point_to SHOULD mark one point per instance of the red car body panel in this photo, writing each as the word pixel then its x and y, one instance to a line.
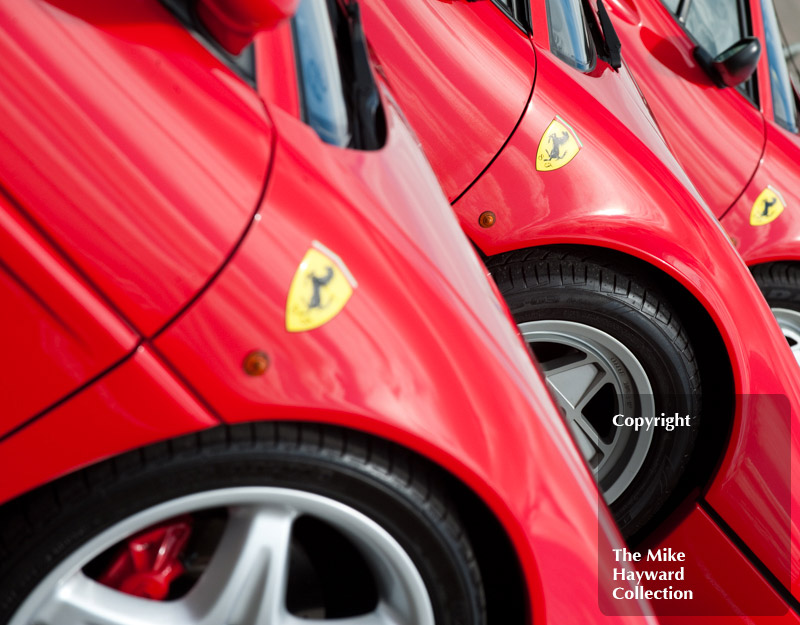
pixel 685 244
pixel 437 49
pixel 707 126
pixel 722 580
pixel 625 191
pixel 753 491
pixel 63 333
pixel 61 139
pixel 752 484
pixel 716 126
pixel 235 316
pixel 623 208
pixel 313 378
pixel 277 81
pixel 136 404
pixel 780 168
pixel 424 354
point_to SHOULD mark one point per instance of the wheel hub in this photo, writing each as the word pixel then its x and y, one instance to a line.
pixel 150 561
pixel 593 377
pixel 246 578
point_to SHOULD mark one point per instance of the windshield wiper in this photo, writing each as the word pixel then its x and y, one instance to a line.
pixel 613 51
pixel 366 99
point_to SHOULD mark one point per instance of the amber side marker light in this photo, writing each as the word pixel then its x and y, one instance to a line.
pixel 256 363
pixel 487 219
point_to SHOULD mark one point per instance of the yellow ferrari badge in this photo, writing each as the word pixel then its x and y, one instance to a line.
pixel 767 207
pixel 319 291
pixel 558 146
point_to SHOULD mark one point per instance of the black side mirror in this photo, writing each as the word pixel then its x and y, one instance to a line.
pixel 733 66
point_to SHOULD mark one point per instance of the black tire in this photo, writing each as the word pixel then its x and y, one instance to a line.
pixel 780 285
pixel 379 480
pixel 561 285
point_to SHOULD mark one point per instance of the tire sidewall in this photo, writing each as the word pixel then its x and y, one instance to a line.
pixel 380 496
pixel 669 452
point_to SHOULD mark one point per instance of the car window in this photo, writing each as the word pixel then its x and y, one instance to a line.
pixel 324 106
pixel 783 102
pixel 792 53
pixel 715 24
pixel 339 96
pixel 788 12
pixel 569 36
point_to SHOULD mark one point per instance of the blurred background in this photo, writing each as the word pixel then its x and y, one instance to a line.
pixel 789 17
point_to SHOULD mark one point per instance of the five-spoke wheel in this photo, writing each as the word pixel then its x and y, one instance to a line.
pixel 290 525
pixel 609 344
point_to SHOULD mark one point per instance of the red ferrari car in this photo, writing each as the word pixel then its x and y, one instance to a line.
pixel 252 371
pixel 716 77
pixel 619 277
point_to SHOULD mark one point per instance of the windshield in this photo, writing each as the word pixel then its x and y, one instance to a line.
pixel 338 93
pixel 321 83
pixel 569 37
pixel 715 24
pixel 783 101
pixel 789 23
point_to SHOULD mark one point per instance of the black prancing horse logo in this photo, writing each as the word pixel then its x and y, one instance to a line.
pixel 317 284
pixel 767 205
pixel 555 151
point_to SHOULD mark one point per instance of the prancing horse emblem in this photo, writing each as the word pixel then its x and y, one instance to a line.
pixel 767 207
pixel 557 147
pixel 320 288
pixel 557 143
pixel 317 284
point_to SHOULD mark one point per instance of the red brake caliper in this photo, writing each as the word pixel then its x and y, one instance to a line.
pixel 149 562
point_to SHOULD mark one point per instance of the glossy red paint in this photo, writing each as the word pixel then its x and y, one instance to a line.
pixel 63 333
pixel 277 80
pixel 137 403
pixel 780 239
pixel 703 125
pixel 631 209
pixel 722 580
pixel 424 354
pixel 625 191
pixel 394 317
pixel 234 23
pixel 642 204
pixel 270 256
pixel 707 125
pixel 149 232
pixel 753 491
pixel 462 75
pixel 729 131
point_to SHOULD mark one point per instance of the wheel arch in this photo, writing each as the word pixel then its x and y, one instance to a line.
pixel 507 596
pixel 779 256
pixel 710 350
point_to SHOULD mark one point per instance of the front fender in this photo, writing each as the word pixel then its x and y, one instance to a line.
pixel 423 354
pixel 778 239
pixel 624 192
